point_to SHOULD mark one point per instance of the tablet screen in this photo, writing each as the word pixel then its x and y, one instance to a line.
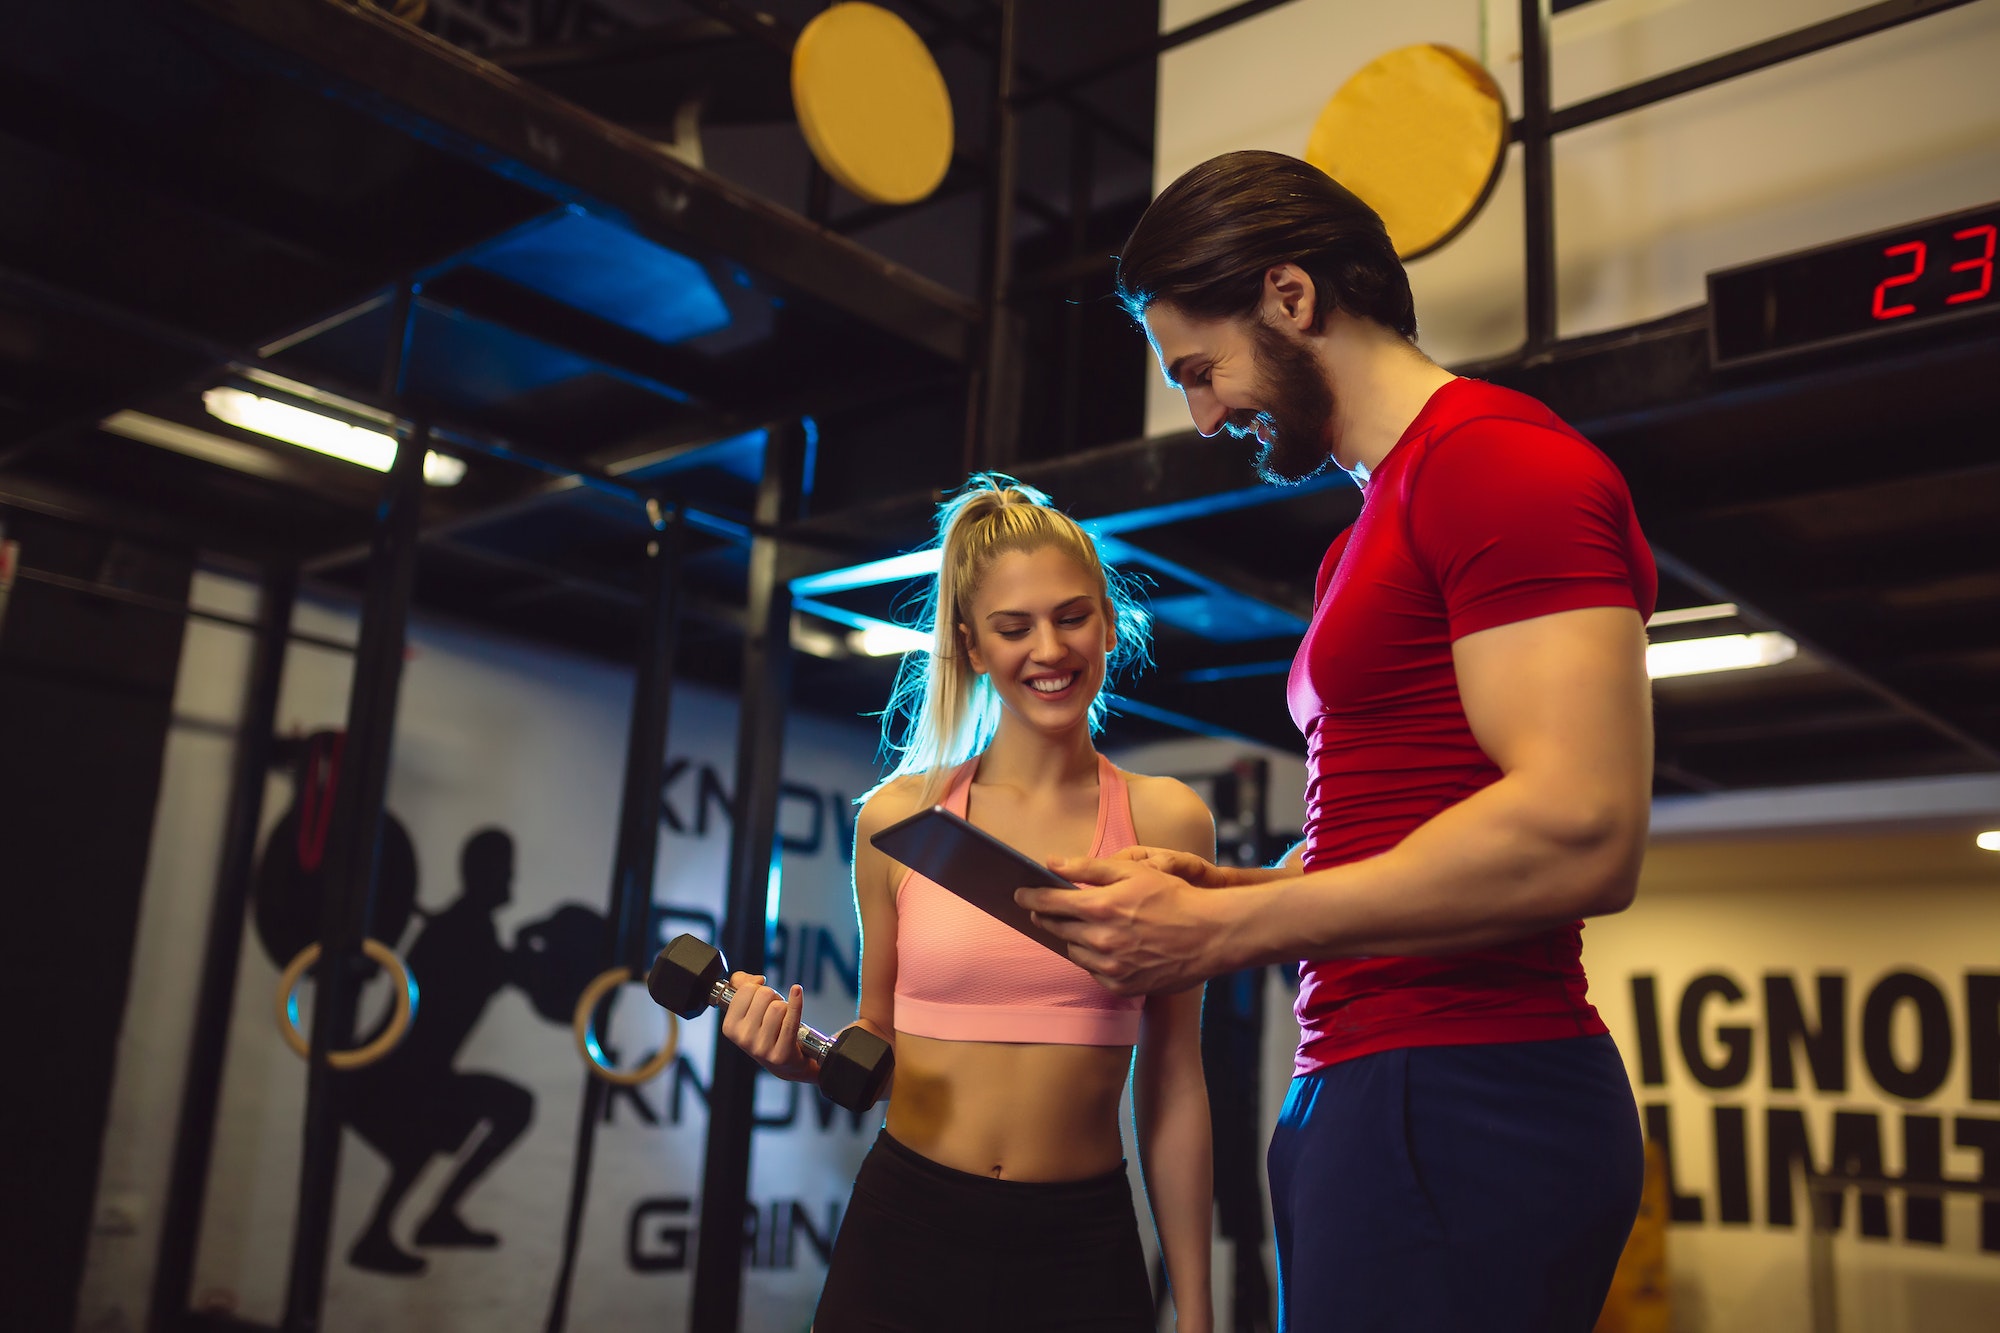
pixel 976 866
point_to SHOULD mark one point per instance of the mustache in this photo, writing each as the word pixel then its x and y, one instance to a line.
pixel 1242 423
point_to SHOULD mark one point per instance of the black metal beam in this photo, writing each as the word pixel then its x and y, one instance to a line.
pixel 1538 162
pixel 1152 50
pixel 40 496
pixel 998 414
pixel 221 358
pixel 208 356
pixel 672 371
pixel 773 31
pixel 1977 748
pixel 1037 82
pixel 760 739
pixel 1790 46
pixel 1082 179
pixel 354 843
pixel 1112 479
pixel 194 1136
pixel 168 606
pixel 1830 721
pixel 475 111
pixel 966 174
pixel 629 914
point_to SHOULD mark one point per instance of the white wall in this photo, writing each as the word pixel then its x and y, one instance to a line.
pixel 1894 128
pixel 490 731
pixel 1862 906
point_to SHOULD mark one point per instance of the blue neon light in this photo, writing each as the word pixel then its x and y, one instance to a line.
pixel 1226 617
pixel 1254 619
pixel 1242 671
pixel 1132 520
pixel 469 362
pixel 741 456
pixel 612 273
pixel 1168 717
pixel 840 615
pixel 894 569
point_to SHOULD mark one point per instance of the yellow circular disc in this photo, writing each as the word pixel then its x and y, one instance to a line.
pixel 1419 134
pixel 872 103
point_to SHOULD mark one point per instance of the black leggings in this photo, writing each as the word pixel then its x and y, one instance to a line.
pixel 925 1248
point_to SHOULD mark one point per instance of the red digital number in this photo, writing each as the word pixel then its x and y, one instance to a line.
pixel 1984 264
pixel 1882 288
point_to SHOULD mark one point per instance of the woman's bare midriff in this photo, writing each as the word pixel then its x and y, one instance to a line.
pixel 1010 1111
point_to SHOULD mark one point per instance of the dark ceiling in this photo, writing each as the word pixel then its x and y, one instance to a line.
pixel 228 193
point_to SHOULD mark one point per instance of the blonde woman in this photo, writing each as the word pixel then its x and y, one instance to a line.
pixel 996 1196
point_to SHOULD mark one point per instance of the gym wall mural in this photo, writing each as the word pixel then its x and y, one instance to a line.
pixel 1828 1003
pixel 455 1169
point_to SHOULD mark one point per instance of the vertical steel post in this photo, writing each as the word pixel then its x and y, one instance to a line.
pixel 354 840
pixel 630 942
pixel 999 409
pixel 760 742
pixel 194 1140
pixel 1082 176
pixel 1537 158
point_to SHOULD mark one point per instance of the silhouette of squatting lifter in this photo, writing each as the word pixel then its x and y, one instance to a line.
pixel 413 1104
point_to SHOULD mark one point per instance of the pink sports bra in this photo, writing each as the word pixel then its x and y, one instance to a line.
pixel 963 976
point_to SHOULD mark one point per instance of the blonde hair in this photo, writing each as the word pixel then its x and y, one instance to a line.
pixel 941 713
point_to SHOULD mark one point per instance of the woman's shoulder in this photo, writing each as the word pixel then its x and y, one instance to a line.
pixel 894 800
pixel 1166 812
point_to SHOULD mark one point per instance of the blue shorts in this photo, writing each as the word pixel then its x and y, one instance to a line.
pixel 1455 1187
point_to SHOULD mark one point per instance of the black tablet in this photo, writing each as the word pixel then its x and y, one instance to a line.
pixel 976 866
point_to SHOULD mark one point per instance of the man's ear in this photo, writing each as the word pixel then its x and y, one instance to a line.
pixel 1290 298
pixel 972 654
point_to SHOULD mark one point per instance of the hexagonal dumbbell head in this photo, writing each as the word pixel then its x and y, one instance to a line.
pixel 684 976
pixel 853 1073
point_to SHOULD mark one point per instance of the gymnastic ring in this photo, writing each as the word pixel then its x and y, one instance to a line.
pixel 585 1027
pixel 386 1041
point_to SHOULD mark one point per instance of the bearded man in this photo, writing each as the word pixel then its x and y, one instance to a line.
pixel 1459 1148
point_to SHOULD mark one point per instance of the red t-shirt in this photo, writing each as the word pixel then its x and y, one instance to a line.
pixel 1487 511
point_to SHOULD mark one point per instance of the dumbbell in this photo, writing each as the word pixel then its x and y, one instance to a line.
pixel 690 976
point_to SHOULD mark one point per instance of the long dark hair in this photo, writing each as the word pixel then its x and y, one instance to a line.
pixel 1205 244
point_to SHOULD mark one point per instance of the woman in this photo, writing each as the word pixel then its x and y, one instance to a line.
pixel 996 1196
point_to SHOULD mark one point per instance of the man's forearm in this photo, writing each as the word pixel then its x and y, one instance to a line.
pixel 1244 877
pixel 1495 867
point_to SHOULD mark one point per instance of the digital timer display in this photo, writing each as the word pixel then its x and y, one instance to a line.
pixel 1916 275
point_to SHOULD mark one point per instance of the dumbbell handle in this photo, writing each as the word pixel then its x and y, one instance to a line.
pixel 817 1044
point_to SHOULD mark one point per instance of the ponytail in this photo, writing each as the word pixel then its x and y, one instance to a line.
pixel 941 712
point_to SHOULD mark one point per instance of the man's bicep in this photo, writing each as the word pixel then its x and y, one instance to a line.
pixel 1564 696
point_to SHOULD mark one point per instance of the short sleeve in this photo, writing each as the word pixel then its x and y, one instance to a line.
pixel 1516 520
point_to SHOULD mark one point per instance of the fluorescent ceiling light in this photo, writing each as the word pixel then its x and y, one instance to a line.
pixel 443 469
pixel 1686 615
pixel 295 425
pixel 321 433
pixel 884 640
pixel 818 642
pixel 1989 841
pixel 1728 652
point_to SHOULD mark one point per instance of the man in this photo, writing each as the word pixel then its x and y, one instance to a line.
pixel 1459 1148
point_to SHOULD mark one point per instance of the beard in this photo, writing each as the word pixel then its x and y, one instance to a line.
pixel 1298 407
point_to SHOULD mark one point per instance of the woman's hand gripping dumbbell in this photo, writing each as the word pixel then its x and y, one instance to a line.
pixel 854 1065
